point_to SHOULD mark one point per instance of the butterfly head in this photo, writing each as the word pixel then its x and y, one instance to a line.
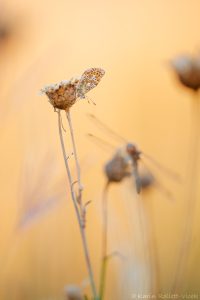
pixel 133 151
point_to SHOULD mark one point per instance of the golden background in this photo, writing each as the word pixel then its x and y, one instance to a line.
pixel 139 97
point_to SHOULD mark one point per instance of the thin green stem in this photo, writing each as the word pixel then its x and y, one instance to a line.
pixel 80 221
pixel 104 254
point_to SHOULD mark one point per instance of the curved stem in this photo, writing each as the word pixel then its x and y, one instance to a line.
pixel 191 196
pixel 78 169
pixel 104 241
pixel 80 222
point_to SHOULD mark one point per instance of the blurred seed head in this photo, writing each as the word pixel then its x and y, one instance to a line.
pixel 187 69
pixel 73 292
pixel 11 28
pixel 119 167
pixel 61 95
pixel 6 27
pixel 146 180
pixel 4 32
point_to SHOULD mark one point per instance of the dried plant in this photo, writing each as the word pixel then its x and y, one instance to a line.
pixel 120 166
pixel 124 163
pixel 187 69
pixel 73 292
pixel 147 180
pixel 62 96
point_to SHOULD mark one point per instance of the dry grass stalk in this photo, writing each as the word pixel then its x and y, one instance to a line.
pixel 116 169
pixel 78 214
pixel 124 163
pixel 120 166
pixel 62 96
pixel 187 69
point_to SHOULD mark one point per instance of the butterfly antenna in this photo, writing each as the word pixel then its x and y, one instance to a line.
pixel 103 126
pixel 163 169
pixel 90 100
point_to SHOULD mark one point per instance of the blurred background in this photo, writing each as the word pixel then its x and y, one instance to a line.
pixel 43 42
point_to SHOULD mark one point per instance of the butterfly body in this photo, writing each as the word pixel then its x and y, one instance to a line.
pixel 64 94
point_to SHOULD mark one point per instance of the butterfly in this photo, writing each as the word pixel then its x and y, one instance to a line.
pixel 64 94
pixel 89 80
pixel 131 153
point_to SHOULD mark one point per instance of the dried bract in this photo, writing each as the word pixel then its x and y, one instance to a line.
pixel 73 292
pixel 188 71
pixel 119 167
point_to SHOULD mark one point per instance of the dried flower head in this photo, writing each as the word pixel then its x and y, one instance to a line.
pixel 146 180
pixel 65 93
pixel 187 69
pixel 119 167
pixel 73 292
pixel 61 95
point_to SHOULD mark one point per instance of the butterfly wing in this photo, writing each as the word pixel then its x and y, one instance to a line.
pixel 89 80
pixel 171 174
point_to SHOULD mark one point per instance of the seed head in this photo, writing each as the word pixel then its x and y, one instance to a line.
pixel 64 94
pixel 146 180
pixel 187 69
pixel 73 292
pixel 118 167
pixel 61 95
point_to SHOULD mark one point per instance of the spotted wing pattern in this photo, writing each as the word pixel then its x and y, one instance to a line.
pixel 88 81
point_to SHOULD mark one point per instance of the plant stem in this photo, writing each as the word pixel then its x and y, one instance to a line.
pixel 191 196
pixel 154 251
pixel 81 225
pixel 144 234
pixel 78 169
pixel 104 241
